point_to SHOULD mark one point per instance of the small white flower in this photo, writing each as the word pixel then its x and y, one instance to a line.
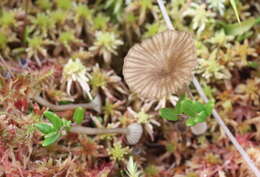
pixel 74 70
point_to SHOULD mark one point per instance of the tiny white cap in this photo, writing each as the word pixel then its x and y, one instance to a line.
pixel 134 134
pixel 199 128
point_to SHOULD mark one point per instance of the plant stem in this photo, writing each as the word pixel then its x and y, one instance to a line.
pixel 214 112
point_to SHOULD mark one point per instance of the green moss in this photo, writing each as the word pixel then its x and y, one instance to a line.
pixel 44 4
pixel 35 42
pixel 151 171
pixel 98 79
pixel 7 19
pixel 3 40
pixel 67 37
pixel 64 4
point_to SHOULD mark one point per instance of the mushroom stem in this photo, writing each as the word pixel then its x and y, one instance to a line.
pixel 98 131
pixel 133 132
pixel 95 104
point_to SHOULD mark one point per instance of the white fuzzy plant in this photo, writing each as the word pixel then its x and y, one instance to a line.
pixel 198 87
pixel 132 170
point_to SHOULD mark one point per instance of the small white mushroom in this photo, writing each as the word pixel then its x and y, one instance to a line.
pixel 199 128
pixel 133 132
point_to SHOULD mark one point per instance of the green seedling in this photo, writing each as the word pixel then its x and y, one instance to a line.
pixel 53 131
pixel 193 111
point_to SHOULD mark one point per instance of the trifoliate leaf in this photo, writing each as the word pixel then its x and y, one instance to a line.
pixel 168 114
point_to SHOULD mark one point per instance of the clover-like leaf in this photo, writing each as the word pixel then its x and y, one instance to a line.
pixel 78 115
pixel 51 138
pixel 168 114
pixel 44 128
pixel 54 119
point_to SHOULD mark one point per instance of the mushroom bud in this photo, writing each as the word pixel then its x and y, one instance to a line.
pixel 133 132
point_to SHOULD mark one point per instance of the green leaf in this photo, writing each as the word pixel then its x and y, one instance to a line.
pixel 209 107
pixel 240 28
pixel 117 6
pixel 66 124
pixel 78 115
pixel 200 117
pixel 197 107
pixel 190 122
pixel 178 105
pixel 54 119
pixel 51 138
pixel 168 114
pixel 233 4
pixel 253 64
pixel 44 128
pixel 187 108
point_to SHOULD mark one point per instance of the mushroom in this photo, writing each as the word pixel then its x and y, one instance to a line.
pixel 161 65
pixel 94 104
pixel 199 128
pixel 133 132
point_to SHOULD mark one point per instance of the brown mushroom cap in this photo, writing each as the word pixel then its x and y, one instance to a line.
pixel 161 65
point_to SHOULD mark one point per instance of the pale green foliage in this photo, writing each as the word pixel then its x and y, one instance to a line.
pixel 117 152
pixel 35 42
pixel 64 4
pixel 106 43
pixel 154 28
pixel 132 170
pixel 201 17
pixel 218 5
pixel 82 11
pixel 3 40
pixel 7 19
pixel 143 117
pixel 211 68
pixel 44 4
pixel 58 16
pixel 67 37
pixel 220 38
